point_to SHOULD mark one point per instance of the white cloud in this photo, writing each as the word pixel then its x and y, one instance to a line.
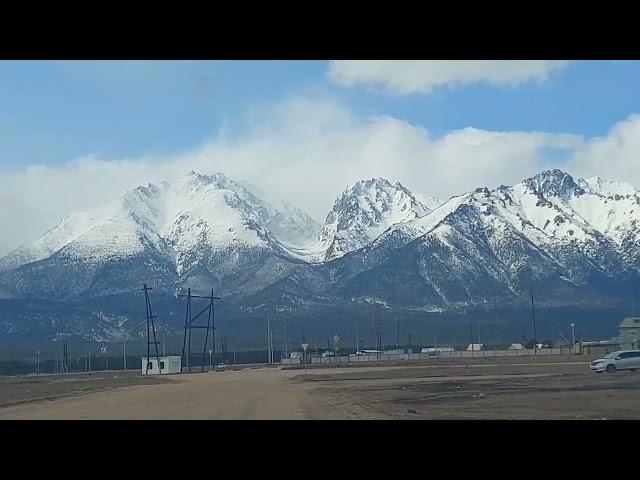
pixel 616 156
pixel 306 150
pixel 404 77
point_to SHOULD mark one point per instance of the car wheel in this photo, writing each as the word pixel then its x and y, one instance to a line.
pixel 611 368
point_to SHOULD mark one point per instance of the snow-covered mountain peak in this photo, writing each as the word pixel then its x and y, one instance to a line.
pixel 362 213
pixel 195 180
pixel 374 198
pixel 364 184
pixel 555 183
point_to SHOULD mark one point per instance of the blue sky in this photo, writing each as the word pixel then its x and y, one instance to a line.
pixel 74 135
pixel 54 112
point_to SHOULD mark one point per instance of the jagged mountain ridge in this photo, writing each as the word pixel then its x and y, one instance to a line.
pixel 362 213
pixel 546 231
pixel 573 240
pixel 549 220
pixel 200 230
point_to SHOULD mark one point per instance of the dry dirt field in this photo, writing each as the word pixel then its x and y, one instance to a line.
pixel 513 388
pixel 31 388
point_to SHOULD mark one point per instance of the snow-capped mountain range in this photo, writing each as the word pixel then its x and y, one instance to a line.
pixel 575 240
pixel 216 224
pixel 572 240
pixel 361 214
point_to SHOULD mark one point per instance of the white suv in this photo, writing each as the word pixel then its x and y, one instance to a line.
pixel 622 360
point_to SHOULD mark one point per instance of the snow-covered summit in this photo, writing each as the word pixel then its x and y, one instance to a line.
pixel 362 213
pixel 553 182
pixel 196 210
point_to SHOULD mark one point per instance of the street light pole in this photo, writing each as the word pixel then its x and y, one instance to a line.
pixel 535 335
pixel 269 338
pixel 164 339
pixel 124 352
pixel 304 346
pixel 573 337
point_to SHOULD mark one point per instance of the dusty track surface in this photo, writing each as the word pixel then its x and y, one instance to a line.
pixel 543 388
pixel 245 394
pixel 32 388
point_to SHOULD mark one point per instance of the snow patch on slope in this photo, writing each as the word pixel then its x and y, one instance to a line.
pixel 68 229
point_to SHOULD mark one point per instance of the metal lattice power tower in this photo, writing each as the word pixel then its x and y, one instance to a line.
pixel 189 325
pixel 151 327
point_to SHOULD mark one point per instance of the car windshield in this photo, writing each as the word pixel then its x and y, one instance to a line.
pixel 611 355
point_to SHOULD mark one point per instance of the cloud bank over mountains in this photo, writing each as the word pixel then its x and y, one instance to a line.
pixel 307 150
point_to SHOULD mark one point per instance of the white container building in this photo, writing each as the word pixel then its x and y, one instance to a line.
pixel 168 365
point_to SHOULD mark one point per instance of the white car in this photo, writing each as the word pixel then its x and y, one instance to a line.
pixel 621 360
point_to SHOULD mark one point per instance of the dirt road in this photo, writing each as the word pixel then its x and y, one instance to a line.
pixel 534 389
pixel 246 394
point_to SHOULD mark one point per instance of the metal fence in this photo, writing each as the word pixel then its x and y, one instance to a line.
pixel 425 356
pixel 600 349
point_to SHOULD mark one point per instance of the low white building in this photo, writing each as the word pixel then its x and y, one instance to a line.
pixel 297 355
pixel 515 346
pixel 167 366
pixel 474 347
pixel 434 350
